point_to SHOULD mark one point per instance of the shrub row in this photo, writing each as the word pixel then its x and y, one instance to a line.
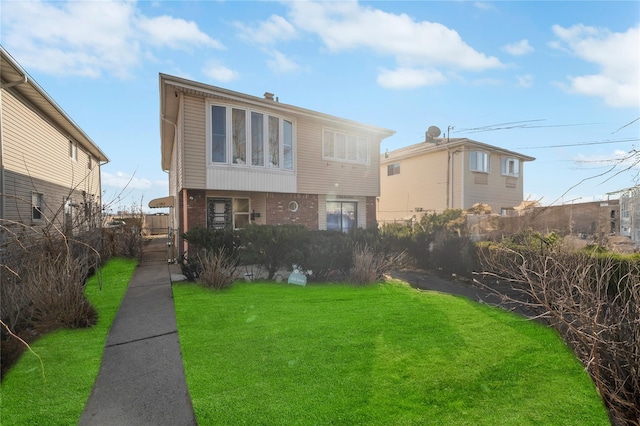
pixel 329 254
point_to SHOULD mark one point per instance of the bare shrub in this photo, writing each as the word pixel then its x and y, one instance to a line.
pixel 218 270
pixel 54 285
pixel 594 303
pixel 370 266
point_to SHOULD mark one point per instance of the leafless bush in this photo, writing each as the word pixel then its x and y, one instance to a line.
pixel 57 300
pixel 218 269
pixel 594 303
pixel 370 266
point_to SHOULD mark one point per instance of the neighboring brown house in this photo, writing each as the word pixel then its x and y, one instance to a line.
pixel 235 159
pixel 443 173
pixel 49 168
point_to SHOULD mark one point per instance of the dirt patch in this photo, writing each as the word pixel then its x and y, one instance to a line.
pixel 490 292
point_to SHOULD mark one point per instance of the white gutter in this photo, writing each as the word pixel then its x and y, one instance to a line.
pixel 15 83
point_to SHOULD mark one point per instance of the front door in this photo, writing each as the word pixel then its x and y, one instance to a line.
pixel 219 213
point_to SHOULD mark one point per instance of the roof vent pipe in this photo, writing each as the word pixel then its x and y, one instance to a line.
pixel 268 96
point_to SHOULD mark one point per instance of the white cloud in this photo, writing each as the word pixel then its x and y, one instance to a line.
pixel 519 48
pixel 346 26
pixel 483 5
pixel 275 29
pixel 525 81
pixel 616 54
pixel 219 72
pixel 409 78
pixel 280 64
pixel 165 31
pixel 122 180
pixel 86 38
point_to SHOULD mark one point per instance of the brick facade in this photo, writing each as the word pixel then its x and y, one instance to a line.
pixel 196 208
pixel 279 213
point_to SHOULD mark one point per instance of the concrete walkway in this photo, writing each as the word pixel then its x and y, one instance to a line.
pixel 141 379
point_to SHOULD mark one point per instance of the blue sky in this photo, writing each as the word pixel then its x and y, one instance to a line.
pixel 559 81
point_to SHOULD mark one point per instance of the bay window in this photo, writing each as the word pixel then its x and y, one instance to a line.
pixel 255 139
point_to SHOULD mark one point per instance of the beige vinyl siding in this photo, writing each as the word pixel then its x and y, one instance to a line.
pixel 194 146
pixel 422 182
pixel 229 177
pixel 495 192
pixel 320 176
pixel 36 159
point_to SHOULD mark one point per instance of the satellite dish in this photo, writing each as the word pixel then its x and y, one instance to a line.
pixel 433 132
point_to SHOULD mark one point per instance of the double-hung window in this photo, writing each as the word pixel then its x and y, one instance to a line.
pixel 251 138
pixel 344 147
pixel 37 206
pixel 73 150
pixel 510 166
pixel 479 161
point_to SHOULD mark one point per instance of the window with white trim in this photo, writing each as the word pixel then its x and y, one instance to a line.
pixel 479 161
pixel 393 169
pixel 249 138
pixel 73 150
pixel 510 166
pixel 37 206
pixel 342 215
pixel 344 147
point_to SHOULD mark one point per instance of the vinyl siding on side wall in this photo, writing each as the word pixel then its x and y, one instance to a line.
pixel 495 192
pixel 194 146
pixel 36 159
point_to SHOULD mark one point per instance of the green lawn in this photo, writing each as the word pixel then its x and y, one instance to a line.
pixel 277 354
pixel 56 391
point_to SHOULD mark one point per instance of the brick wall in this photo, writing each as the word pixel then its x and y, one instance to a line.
pixel 196 208
pixel 278 212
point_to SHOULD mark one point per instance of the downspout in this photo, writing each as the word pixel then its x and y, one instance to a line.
pixel 448 174
pixel 173 213
pixel 2 178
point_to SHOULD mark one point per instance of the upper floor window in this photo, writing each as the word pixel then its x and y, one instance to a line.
pixel 73 150
pixel 345 147
pixel 479 161
pixel 245 137
pixel 510 166
pixel 393 169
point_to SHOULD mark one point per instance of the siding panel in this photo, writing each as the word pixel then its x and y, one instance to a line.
pixel 194 147
pixel 36 159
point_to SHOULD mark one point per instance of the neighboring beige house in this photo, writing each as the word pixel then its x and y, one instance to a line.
pixel 49 168
pixel 235 159
pixel 442 173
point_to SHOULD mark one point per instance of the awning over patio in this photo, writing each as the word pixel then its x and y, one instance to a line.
pixel 161 202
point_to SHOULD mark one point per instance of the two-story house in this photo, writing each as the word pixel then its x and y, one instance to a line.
pixel 443 173
pixel 235 159
pixel 49 167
